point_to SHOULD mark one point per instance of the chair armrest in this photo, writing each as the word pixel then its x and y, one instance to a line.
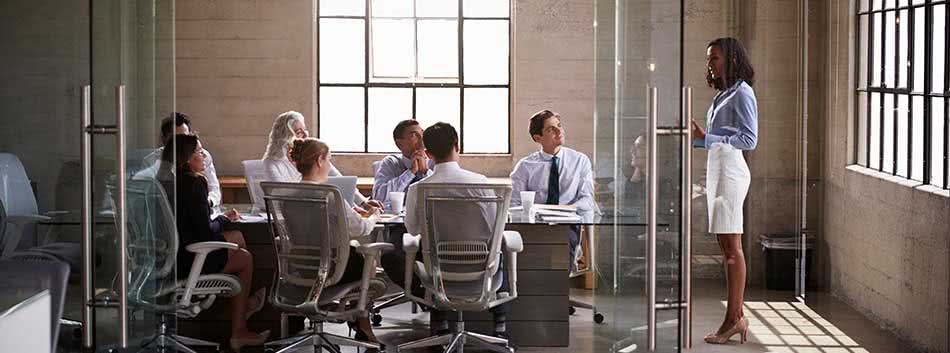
pixel 374 248
pixel 209 246
pixel 410 243
pixel 20 220
pixel 513 242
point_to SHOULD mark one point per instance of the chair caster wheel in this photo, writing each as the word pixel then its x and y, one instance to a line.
pixel 571 310
pixel 377 320
pixel 599 318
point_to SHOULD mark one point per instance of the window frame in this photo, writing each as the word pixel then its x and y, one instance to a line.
pixel 864 46
pixel 461 85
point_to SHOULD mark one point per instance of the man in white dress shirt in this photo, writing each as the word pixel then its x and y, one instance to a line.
pixel 442 145
pixel 557 174
pixel 180 124
pixel 397 172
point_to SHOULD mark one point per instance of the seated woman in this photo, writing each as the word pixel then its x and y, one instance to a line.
pixel 312 159
pixel 195 225
pixel 277 167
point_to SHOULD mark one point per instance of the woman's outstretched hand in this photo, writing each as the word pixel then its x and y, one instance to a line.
pixel 698 132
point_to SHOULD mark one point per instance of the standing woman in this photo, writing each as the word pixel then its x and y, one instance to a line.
pixel 732 127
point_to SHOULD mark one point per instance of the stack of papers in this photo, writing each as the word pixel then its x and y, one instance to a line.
pixel 557 213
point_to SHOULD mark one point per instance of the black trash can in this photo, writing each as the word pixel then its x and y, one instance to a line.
pixel 781 252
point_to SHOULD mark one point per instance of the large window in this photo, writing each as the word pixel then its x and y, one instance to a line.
pixel 382 61
pixel 902 95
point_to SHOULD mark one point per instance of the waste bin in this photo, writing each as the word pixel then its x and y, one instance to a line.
pixel 781 252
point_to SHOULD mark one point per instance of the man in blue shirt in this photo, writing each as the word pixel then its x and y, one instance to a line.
pixel 557 174
pixel 397 172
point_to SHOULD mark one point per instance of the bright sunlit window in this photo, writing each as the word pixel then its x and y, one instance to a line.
pixel 902 120
pixel 382 61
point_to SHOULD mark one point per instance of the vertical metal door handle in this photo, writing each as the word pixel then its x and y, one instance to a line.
pixel 651 222
pixel 686 294
pixel 85 157
pixel 122 218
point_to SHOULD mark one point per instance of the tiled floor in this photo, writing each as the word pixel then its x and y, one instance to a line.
pixel 780 324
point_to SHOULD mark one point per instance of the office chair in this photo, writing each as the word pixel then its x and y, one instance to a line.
pixel 17 196
pixel 152 255
pixel 577 272
pixel 34 276
pixel 253 176
pixel 308 222
pixel 462 238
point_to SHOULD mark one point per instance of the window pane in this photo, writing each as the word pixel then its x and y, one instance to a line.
pixel 438 48
pixel 917 139
pixel 863 129
pixel 437 104
pixel 341 51
pixel 890 3
pixel 392 8
pixel 342 8
pixel 387 106
pixel 864 5
pixel 890 44
pixel 863 53
pixel 936 142
pixel 486 120
pixel 919 1
pixel 875 137
pixel 486 8
pixel 902 125
pixel 485 51
pixel 888 132
pixel 341 118
pixel 902 63
pixel 437 8
pixel 919 46
pixel 876 57
pixel 938 53
pixel 392 53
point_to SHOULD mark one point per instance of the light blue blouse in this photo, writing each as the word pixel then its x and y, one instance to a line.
pixel 732 119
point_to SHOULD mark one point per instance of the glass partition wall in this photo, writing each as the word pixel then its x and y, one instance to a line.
pixel 650 65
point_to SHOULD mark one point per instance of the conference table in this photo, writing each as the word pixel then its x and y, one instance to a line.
pixel 543 278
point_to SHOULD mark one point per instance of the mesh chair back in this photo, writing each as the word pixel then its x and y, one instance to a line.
pixel 15 190
pixel 20 279
pixel 311 240
pixel 152 239
pixel 462 237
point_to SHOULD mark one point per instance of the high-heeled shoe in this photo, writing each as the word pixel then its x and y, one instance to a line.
pixel 741 327
pixel 359 335
pixel 239 342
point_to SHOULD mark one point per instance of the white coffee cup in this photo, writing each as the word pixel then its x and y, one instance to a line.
pixel 396 200
pixel 527 201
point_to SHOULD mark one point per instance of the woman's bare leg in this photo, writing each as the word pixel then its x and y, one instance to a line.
pixel 734 261
pixel 241 263
pixel 235 236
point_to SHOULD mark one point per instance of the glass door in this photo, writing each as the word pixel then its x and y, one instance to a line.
pixel 130 92
pixel 641 128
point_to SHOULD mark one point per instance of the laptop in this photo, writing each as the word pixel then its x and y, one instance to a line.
pixel 347 186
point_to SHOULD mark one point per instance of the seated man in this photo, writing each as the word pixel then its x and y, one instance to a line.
pixel 180 124
pixel 397 172
pixel 557 174
pixel 442 145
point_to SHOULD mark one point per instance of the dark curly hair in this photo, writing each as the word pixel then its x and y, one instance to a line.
pixel 735 61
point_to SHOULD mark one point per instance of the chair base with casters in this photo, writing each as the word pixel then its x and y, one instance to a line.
pixel 316 338
pixel 163 341
pixel 456 340
pixel 598 317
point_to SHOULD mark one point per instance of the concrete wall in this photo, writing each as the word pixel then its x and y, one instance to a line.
pixel 886 241
pixel 242 62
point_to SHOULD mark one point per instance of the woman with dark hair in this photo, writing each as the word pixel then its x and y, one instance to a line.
pixel 732 127
pixel 194 223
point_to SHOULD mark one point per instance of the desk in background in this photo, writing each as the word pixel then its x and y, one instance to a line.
pixel 234 187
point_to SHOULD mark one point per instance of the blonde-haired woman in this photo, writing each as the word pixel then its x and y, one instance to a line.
pixel 277 166
pixel 311 158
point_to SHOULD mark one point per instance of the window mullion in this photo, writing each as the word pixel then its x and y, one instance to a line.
pixel 461 75
pixel 928 81
pixel 367 62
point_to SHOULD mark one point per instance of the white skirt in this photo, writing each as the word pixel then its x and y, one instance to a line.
pixel 727 183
